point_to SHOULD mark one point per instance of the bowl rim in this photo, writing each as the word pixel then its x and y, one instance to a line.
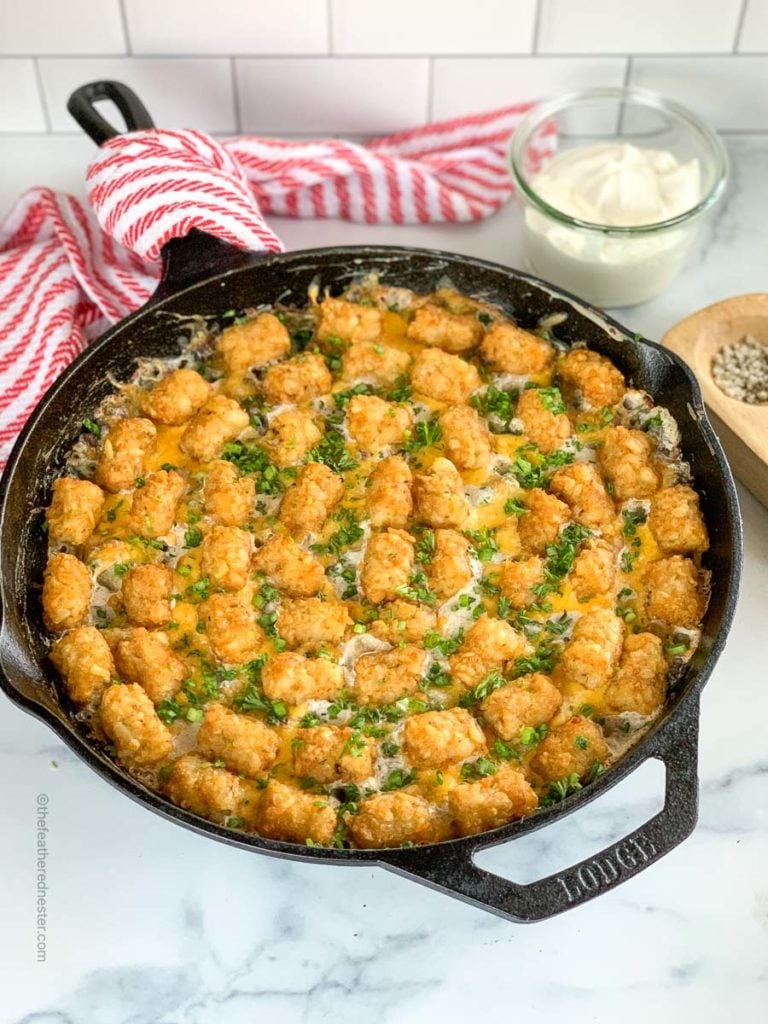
pixel 625 95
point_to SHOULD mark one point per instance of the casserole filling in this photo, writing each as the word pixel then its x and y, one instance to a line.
pixel 382 571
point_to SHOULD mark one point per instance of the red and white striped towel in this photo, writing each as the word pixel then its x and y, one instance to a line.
pixel 67 272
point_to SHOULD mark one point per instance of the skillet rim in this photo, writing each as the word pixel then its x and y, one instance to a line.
pixel 649 745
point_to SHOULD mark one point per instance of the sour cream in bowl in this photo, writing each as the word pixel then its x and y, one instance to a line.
pixel 613 215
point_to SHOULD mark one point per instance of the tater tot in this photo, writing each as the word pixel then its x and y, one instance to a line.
pixel 297 380
pixel 147 659
pixel 452 332
pixel 542 522
pixel 626 458
pixel 67 590
pixel 374 424
pixel 312 622
pixel 129 719
pixel 295 679
pixel 466 440
pixel 390 819
pixel 229 497
pixel 388 496
pixel 83 659
pixel 439 495
pixel 291 436
pixel 594 569
pixel 126 446
pixel 591 377
pixel 310 500
pixel 376 364
pixel 332 753
pixel 672 593
pixel 573 748
pixel 245 744
pixel 74 510
pixel 348 321
pixel 153 506
pixel 218 423
pixel 436 739
pixel 582 488
pixel 231 627
pixel 507 348
pixel 531 700
pixel 488 645
pixel 402 622
pixel 387 565
pixel 547 427
pixel 443 377
pixel 451 567
pixel 288 813
pixel 226 557
pixel 492 802
pixel 212 792
pixel 146 595
pixel 517 580
pixel 176 398
pixel 293 570
pixel 640 683
pixel 255 343
pixel 590 657
pixel 676 521
pixel 387 676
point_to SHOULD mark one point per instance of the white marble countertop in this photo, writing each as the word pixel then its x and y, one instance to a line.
pixel 150 924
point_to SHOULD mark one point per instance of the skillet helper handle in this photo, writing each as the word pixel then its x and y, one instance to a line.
pixel 188 260
pixel 95 125
pixel 454 871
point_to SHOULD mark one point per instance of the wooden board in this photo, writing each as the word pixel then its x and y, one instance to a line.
pixel 742 428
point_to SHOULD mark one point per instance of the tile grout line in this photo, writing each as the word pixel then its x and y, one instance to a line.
pixel 655 55
pixel 329 24
pixel 43 98
pixel 235 94
pixel 126 33
pixel 739 26
pixel 536 28
pixel 431 90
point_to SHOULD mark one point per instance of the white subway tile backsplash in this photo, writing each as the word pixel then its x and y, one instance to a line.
pixel 331 95
pixel 22 108
pixel 754 31
pixel 37 27
pixel 728 92
pixel 179 93
pixel 55 161
pixel 467 86
pixel 434 27
pixel 629 26
pixel 229 26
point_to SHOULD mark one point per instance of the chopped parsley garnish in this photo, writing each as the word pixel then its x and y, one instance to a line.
pixel 92 427
pixel 252 460
pixel 425 547
pixel 532 474
pixel 447 645
pixel 397 779
pixel 349 533
pixel 401 390
pixel 561 554
pixel 633 517
pixel 484 688
pixel 252 698
pixel 559 790
pixel 437 676
pixel 497 406
pixel 484 545
pixel 514 507
pixel 478 769
pixel 193 537
pixel 200 590
pixel 417 589
pixel 552 400
pixel 542 660
pixel 341 399
pixel 332 451
pixel 348 574
pixel 425 434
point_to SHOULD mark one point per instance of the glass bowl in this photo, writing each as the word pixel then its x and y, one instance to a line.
pixel 608 265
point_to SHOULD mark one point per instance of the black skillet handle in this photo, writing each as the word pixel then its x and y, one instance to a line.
pixel 451 867
pixel 188 260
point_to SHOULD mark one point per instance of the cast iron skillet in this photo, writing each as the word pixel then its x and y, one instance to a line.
pixel 202 275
